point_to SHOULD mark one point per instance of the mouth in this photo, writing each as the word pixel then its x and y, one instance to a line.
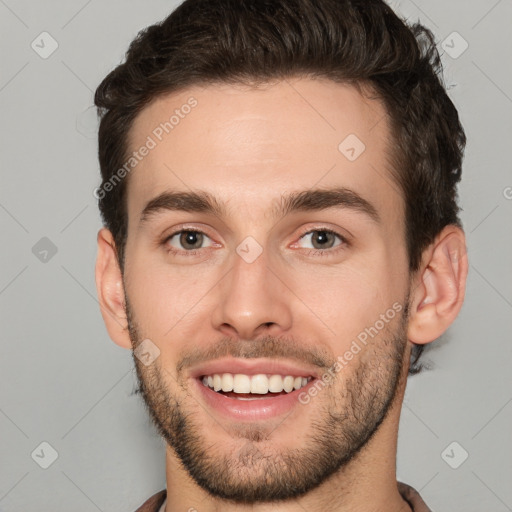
pixel 251 390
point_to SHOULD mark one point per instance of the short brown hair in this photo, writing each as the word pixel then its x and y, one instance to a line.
pixel 359 42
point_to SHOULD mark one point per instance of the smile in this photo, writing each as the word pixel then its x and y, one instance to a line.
pixel 248 390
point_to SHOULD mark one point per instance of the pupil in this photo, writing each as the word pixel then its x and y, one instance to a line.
pixel 322 238
pixel 191 238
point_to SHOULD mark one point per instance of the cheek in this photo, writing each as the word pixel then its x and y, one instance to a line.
pixel 166 300
pixel 352 297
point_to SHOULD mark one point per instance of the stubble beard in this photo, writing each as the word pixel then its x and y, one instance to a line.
pixel 350 412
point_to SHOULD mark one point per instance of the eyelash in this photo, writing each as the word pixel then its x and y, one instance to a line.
pixel 317 252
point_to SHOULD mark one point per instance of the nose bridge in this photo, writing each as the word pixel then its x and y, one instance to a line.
pixel 252 296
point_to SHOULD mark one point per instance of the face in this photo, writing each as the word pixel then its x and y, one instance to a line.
pixel 266 262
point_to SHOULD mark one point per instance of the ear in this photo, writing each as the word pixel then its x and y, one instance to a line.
pixel 437 292
pixel 109 286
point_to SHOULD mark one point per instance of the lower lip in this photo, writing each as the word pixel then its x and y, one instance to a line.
pixel 251 410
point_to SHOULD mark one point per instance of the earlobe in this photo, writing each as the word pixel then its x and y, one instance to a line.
pixel 438 293
pixel 109 286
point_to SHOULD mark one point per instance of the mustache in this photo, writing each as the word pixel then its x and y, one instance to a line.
pixel 268 347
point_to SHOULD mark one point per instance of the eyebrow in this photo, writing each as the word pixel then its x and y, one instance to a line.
pixel 302 201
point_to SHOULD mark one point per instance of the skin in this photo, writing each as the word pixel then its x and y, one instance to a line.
pixel 248 147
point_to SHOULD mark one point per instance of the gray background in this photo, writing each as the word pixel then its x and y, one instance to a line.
pixel 65 383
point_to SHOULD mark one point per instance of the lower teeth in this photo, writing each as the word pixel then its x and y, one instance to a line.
pixel 242 398
pixel 249 396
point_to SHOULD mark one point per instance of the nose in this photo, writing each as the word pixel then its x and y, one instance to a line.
pixel 253 299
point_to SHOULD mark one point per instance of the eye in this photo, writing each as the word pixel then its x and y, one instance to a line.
pixel 322 239
pixel 187 239
pixel 187 242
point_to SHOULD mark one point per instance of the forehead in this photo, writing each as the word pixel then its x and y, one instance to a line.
pixel 248 146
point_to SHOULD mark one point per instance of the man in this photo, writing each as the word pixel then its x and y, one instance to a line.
pixel 281 240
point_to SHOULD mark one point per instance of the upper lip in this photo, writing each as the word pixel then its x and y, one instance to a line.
pixel 253 367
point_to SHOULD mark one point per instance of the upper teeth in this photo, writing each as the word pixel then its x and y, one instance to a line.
pixel 260 383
